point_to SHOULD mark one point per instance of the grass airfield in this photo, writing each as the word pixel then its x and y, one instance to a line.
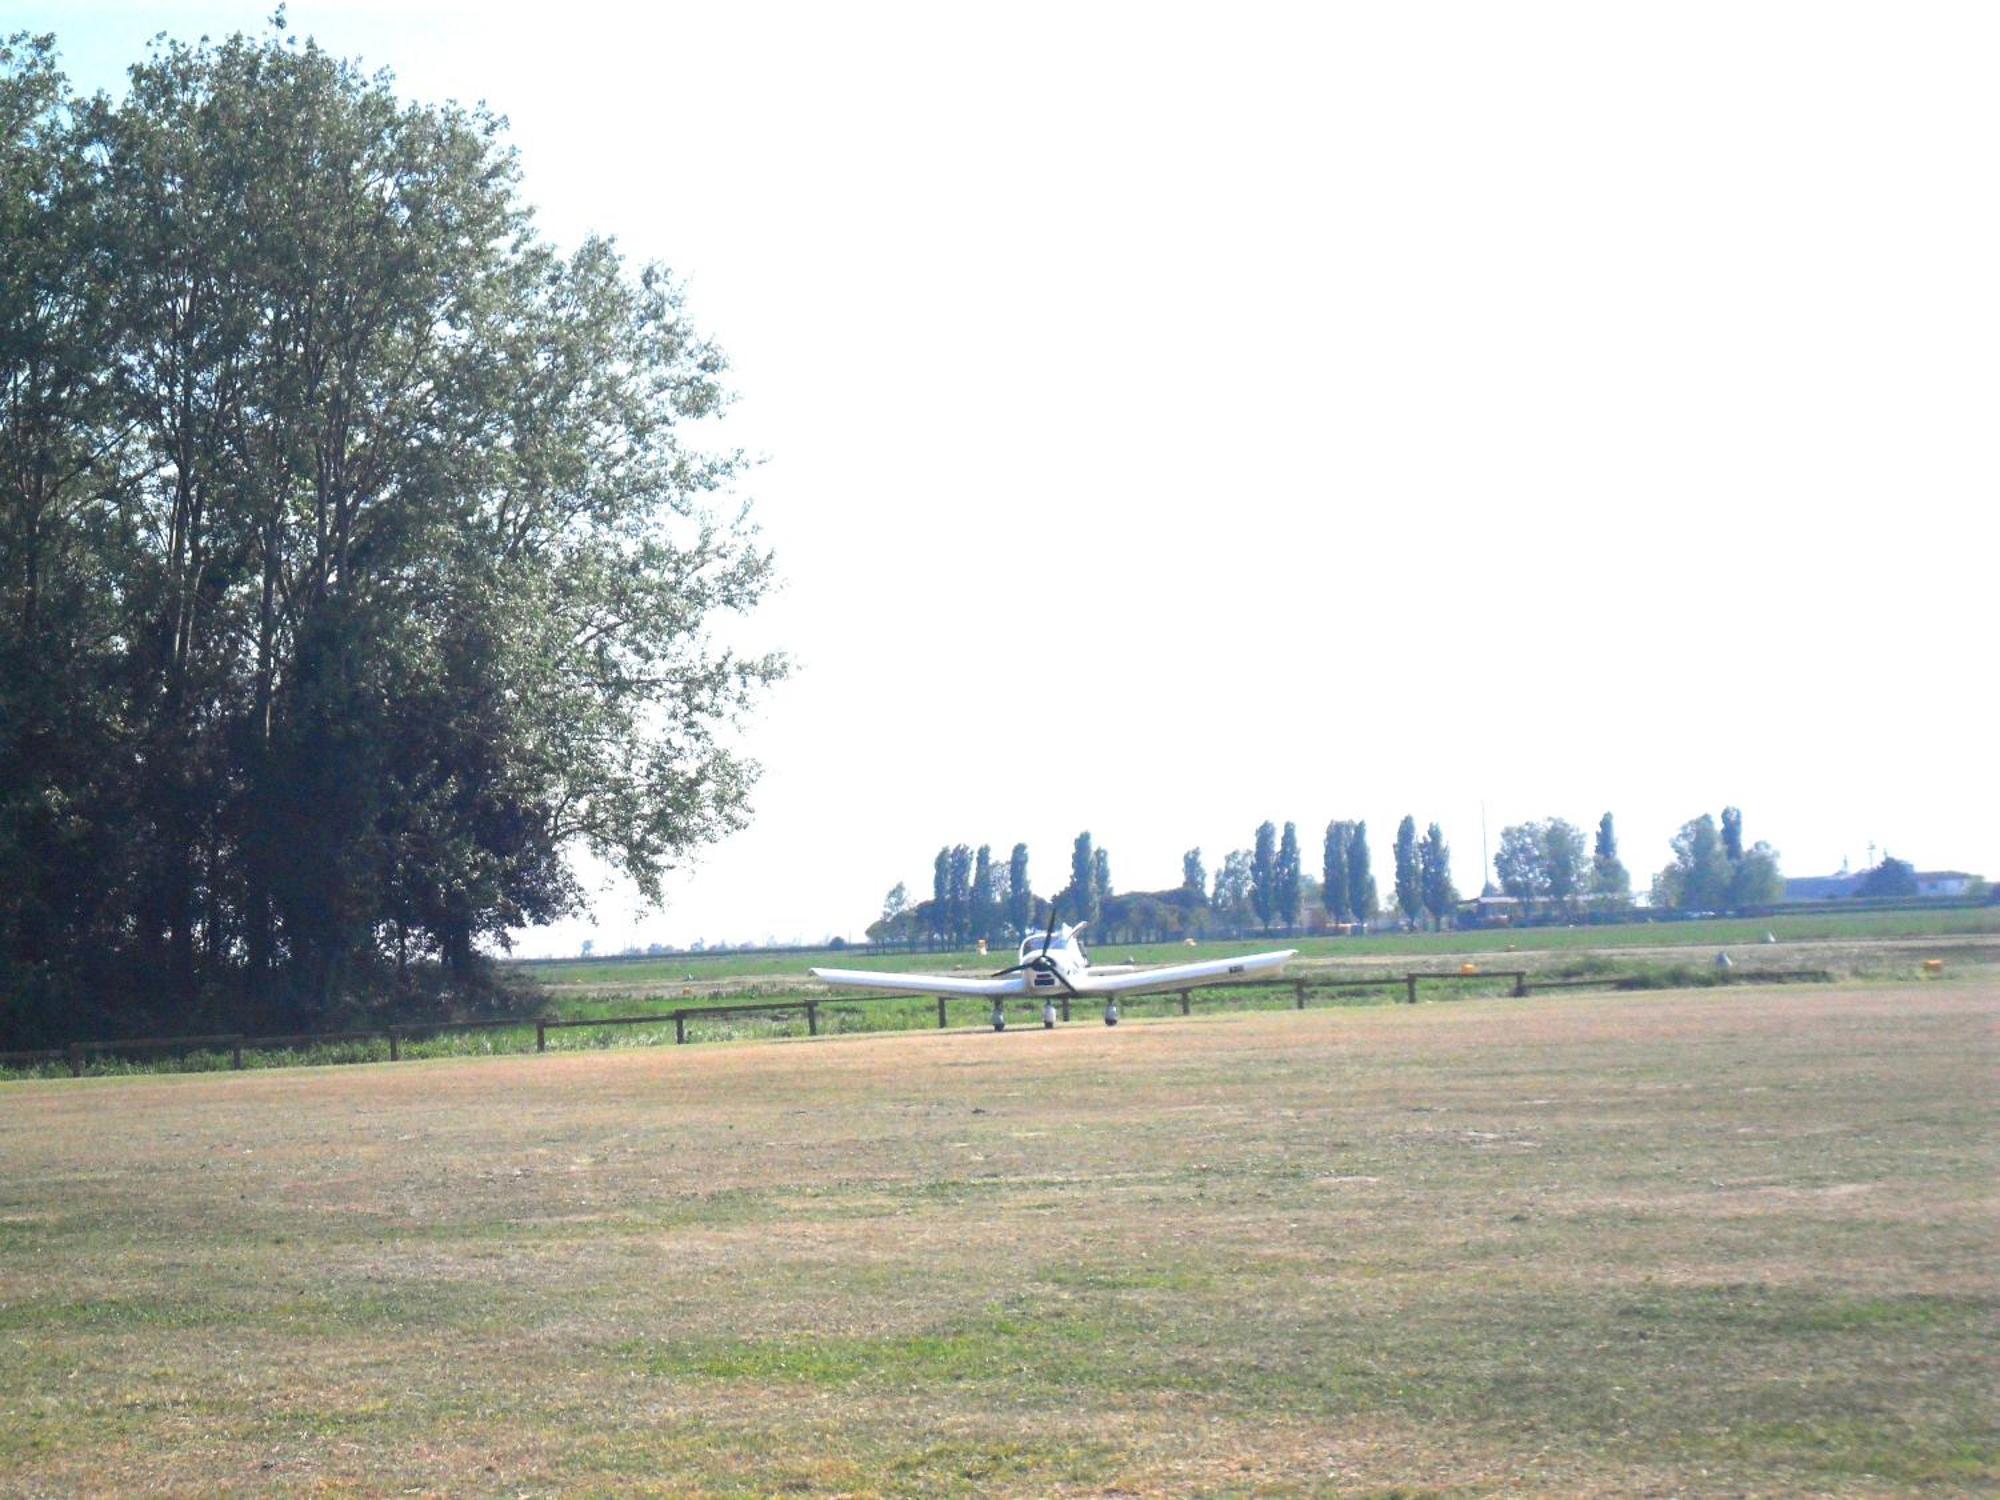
pixel 1964 932
pixel 1721 1241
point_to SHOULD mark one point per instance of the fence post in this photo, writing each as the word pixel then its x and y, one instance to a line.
pixel 76 1059
pixel 1411 981
pixel 812 1018
pixel 236 1055
pixel 1184 1002
pixel 395 1044
pixel 1065 1005
pixel 1520 982
pixel 1299 989
pixel 940 1012
pixel 541 1036
pixel 680 1026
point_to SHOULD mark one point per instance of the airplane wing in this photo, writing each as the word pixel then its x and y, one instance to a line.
pixel 924 984
pixel 1183 976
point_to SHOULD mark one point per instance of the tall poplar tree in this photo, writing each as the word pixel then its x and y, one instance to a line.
pixel 985 910
pixel 1333 870
pixel 1409 877
pixel 1434 874
pixel 1608 876
pixel 958 894
pixel 1020 895
pixel 1233 883
pixel 1264 874
pixel 1360 875
pixel 1288 878
pixel 1081 899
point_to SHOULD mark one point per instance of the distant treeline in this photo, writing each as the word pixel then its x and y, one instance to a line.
pixel 1545 869
pixel 1263 889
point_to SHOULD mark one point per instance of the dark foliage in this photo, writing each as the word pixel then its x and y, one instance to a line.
pixel 353 566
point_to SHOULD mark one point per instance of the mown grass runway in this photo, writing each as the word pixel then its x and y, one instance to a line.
pixel 1722 1241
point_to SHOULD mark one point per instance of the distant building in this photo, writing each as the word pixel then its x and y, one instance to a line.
pixel 1489 910
pixel 1839 887
pixel 1492 909
pixel 1944 882
pixel 1821 887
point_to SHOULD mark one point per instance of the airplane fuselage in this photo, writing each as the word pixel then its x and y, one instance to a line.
pixel 1060 949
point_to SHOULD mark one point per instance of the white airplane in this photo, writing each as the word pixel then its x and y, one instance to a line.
pixel 1052 965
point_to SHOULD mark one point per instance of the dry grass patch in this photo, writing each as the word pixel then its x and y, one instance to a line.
pixel 1733 1240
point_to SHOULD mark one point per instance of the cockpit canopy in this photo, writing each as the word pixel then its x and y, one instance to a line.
pixel 1032 943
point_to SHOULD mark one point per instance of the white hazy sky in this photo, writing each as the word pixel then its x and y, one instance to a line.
pixel 1180 416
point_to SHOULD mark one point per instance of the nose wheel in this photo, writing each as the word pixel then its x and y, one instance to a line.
pixel 1048 1015
pixel 1111 1013
pixel 999 1016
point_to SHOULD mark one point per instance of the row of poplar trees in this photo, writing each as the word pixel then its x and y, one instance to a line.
pixel 355 562
pixel 973 895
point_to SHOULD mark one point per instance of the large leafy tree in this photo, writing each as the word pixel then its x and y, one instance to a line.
pixel 1542 861
pixel 894 925
pixel 1520 863
pixel 1699 877
pixel 1563 850
pixel 403 565
pixel 1706 876
pixel 1755 879
pixel 1753 872
pixel 1231 901
pixel 1892 877
pixel 65 542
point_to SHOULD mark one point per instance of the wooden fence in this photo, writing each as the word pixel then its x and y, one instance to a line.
pixel 77 1054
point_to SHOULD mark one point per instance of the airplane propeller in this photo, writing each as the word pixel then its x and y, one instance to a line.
pixel 1042 960
pixel 1029 963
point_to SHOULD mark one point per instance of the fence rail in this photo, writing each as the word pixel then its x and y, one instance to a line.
pixel 77 1054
